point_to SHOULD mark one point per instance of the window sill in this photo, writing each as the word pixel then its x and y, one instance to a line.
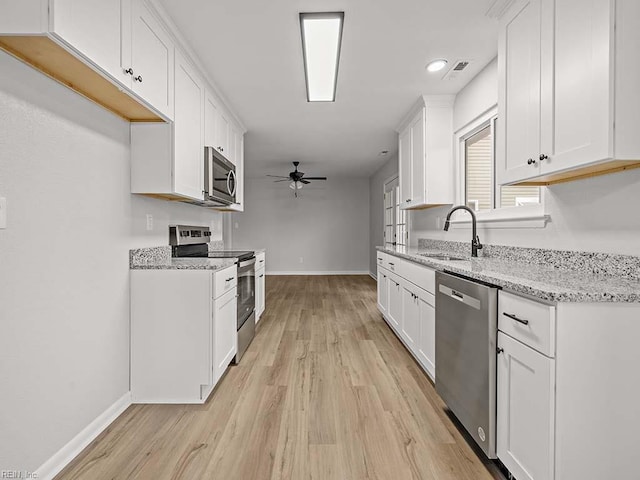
pixel 530 216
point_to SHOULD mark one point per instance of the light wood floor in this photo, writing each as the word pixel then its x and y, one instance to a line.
pixel 325 391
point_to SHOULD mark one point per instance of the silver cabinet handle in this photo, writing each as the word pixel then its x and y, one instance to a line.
pixel 513 317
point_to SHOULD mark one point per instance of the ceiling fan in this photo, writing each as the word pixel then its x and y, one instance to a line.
pixel 296 179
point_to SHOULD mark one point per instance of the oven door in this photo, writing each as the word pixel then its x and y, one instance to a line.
pixel 246 289
pixel 219 177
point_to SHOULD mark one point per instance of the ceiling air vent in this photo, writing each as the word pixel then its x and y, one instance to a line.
pixel 457 68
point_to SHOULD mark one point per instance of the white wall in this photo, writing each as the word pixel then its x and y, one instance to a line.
pixel 327 225
pixel 376 200
pixel 478 96
pixel 64 264
pixel 598 214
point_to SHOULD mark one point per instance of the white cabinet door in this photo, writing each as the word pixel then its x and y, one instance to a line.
pixel 418 159
pixel 152 57
pixel 224 332
pixel 188 124
pixel 394 312
pixel 426 344
pixel 222 132
pixel 94 28
pixel 260 293
pixel 519 99
pixel 210 117
pixel 383 291
pixel 525 404
pixel 405 157
pixel 410 324
pixel 577 126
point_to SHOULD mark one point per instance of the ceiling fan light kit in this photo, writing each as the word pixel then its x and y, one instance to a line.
pixel 296 179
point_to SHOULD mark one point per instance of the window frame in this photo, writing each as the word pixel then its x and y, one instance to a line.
pixel 524 216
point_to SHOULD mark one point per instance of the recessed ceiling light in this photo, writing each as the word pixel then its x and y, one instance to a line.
pixel 321 40
pixel 436 65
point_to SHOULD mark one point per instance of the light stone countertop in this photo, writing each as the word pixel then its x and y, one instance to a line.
pixel 186 264
pixel 541 281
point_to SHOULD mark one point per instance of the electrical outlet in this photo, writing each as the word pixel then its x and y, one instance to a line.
pixel 3 212
pixel 301 259
pixel 149 222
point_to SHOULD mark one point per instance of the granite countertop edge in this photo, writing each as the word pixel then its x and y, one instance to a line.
pixel 597 293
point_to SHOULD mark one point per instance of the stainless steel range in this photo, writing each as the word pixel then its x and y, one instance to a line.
pixel 190 241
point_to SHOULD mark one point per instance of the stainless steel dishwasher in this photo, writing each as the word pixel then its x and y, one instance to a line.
pixel 466 331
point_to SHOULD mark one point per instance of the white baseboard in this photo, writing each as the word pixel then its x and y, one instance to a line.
pixel 66 454
pixel 373 275
pixel 362 272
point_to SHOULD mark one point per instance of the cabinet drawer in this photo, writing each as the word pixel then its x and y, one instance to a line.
pixel 224 280
pixel 260 260
pixel 381 259
pixel 423 277
pixel 533 323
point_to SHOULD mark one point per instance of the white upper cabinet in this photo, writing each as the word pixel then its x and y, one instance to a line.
pixel 218 128
pixel 519 89
pixel 188 130
pixel 168 159
pixel 152 59
pixel 98 29
pixel 567 101
pixel 426 153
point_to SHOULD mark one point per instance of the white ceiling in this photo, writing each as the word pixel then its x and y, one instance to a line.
pixel 252 50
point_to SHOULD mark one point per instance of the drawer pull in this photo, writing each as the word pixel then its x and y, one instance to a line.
pixel 513 317
pixel 261 275
pixel 229 279
pixel 392 264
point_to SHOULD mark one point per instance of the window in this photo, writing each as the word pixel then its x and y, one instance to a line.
pixel 479 184
pixel 395 220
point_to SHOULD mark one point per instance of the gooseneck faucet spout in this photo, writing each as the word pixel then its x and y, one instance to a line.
pixel 475 240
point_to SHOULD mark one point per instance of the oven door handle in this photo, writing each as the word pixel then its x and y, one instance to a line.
pixel 246 263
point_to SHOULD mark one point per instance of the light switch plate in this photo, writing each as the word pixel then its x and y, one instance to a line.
pixel 3 212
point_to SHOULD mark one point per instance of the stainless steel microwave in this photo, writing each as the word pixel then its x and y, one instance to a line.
pixel 219 178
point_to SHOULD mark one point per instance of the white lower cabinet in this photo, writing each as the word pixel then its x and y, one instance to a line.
pixel 410 324
pixel 526 403
pixel 426 345
pixel 394 313
pixel 383 291
pixel 224 332
pixel 183 333
pixel 410 309
pixel 261 294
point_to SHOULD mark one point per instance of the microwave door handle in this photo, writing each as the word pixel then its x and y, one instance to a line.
pixel 229 175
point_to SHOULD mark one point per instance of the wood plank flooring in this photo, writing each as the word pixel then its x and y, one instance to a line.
pixel 325 391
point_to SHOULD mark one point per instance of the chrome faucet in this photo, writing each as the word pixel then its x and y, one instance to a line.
pixel 475 240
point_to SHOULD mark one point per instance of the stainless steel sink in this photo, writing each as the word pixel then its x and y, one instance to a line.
pixel 441 256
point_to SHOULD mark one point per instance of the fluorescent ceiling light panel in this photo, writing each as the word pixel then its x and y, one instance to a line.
pixel 321 40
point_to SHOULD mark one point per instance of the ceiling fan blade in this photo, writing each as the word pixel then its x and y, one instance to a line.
pixel 302 180
pixel 315 178
pixel 283 180
pixel 277 176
